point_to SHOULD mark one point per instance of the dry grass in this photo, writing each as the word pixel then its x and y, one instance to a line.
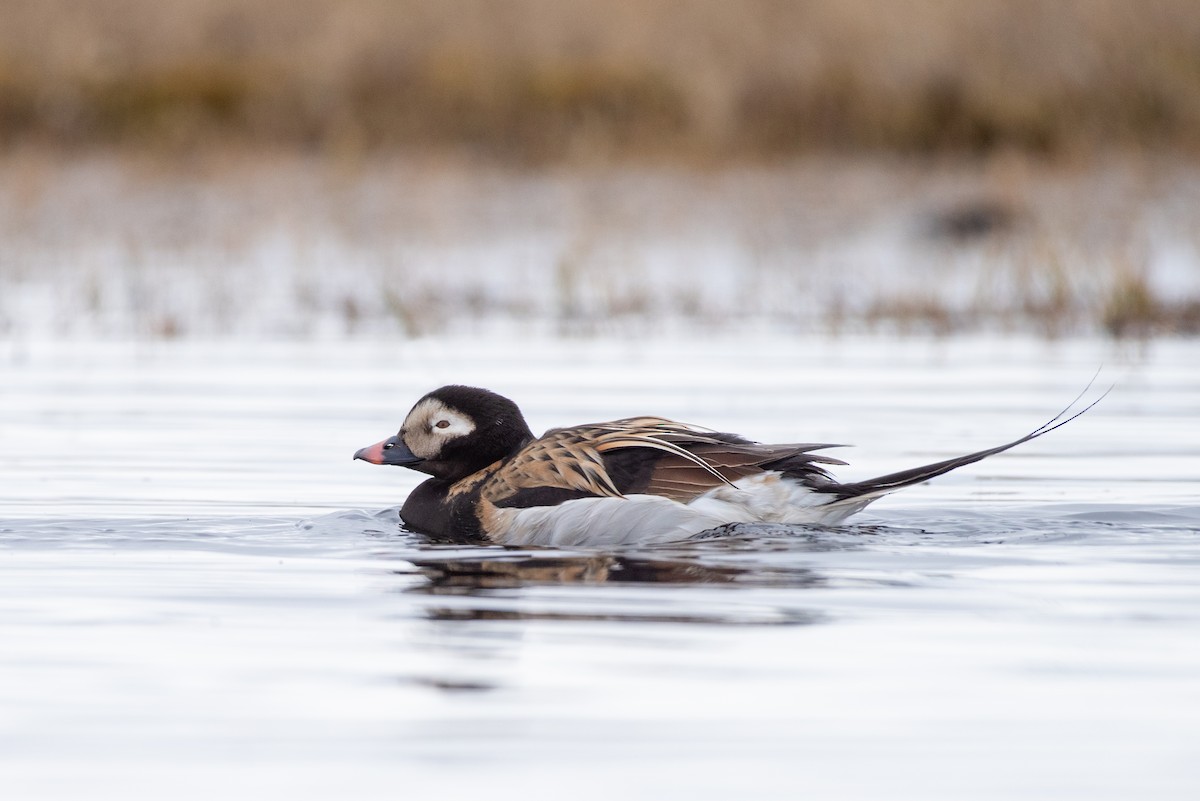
pixel 1133 309
pixel 544 79
pixel 242 246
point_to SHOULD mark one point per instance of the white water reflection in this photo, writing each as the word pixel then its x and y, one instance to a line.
pixel 296 247
pixel 201 595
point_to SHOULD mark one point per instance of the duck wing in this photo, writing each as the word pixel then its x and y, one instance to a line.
pixel 645 456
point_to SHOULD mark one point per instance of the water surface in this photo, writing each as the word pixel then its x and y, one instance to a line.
pixel 201 594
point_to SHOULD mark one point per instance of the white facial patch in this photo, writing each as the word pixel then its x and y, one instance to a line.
pixel 430 424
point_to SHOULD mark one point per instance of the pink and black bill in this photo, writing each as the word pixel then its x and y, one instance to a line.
pixel 391 451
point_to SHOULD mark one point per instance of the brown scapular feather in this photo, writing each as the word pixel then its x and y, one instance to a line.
pixel 692 460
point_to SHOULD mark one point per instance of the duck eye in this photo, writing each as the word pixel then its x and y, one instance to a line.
pixel 443 424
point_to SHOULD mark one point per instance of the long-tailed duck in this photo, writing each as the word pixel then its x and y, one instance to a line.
pixel 637 480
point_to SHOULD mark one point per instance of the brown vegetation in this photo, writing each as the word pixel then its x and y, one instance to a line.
pixel 1134 309
pixel 543 79
pixel 233 244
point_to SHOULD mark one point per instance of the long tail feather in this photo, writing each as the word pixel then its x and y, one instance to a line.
pixel 863 491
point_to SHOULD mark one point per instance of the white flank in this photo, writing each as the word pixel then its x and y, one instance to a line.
pixel 765 498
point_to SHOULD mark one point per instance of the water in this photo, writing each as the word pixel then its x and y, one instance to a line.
pixel 202 595
pixel 296 247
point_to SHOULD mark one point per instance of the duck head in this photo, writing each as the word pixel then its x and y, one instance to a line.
pixel 453 432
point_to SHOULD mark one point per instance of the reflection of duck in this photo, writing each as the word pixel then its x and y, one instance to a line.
pixel 638 480
pixel 459 575
pixel 475 588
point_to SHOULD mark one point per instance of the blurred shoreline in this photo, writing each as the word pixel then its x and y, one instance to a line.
pixel 537 81
pixel 242 244
pixel 394 168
